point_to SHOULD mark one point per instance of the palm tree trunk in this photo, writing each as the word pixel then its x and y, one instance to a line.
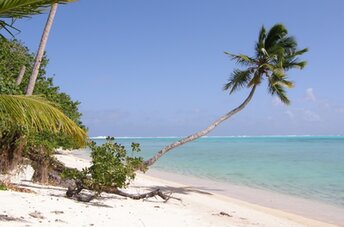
pixel 41 49
pixel 21 74
pixel 199 134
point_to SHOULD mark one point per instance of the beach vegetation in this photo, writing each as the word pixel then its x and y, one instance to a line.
pixel 33 126
pixel 11 10
pixel 112 168
pixel 2 186
pixel 275 53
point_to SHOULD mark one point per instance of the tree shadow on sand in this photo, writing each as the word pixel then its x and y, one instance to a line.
pixel 180 190
pixel 7 218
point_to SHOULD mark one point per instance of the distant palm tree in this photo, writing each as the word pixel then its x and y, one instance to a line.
pixel 275 53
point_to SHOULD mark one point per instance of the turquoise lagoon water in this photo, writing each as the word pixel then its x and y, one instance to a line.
pixel 304 166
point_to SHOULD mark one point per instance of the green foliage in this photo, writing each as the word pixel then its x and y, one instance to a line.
pixel 2 186
pixel 13 55
pixel 110 166
pixel 14 9
pixel 23 111
pixel 276 53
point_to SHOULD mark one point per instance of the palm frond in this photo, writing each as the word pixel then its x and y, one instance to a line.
pixel 261 38
pixel 237 80
pixel 14 9
pixel 279 77
pixel 241 59
pixel 291 60
pixel 277 32
pixel 294 63
pixel 286 83
pixel 38 115
pixel 300 52
pixel 7 27
pixel 276 52
pixel 25 8
pixel 288 43
pixel 276 85
pixel 277 89
pixel 257 79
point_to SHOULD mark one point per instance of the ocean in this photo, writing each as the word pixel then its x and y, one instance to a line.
pixel 310 167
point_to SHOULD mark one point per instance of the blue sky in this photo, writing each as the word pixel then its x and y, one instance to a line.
pixel 156 68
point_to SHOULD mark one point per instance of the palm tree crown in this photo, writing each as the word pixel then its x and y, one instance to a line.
pixel 275 53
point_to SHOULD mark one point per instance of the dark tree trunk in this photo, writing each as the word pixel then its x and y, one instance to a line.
pixel 41 173
pixel 11 152
pixel 156 192
pixel 74 192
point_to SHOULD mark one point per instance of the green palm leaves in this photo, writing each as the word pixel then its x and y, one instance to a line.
pixel 36 114
pixel 33 113
pixel 275 53
pixel 14 9
pixel 25 8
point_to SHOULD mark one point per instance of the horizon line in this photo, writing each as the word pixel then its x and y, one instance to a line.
pixel 239 136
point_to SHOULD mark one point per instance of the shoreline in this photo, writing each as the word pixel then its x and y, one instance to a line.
pixel 310 208
pixel 307 208
pixel 281 204
pixel 264 198
pixel 189 205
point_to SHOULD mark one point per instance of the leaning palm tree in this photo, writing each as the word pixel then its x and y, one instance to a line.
pixel 275 53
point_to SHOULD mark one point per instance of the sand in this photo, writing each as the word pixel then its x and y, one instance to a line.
pixel 188 206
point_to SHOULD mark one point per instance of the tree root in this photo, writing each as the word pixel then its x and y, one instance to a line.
pixel 74 192
pixel 74 189
pixel 154 193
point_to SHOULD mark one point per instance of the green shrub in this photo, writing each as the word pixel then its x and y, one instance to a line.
pixel 2 186
pixel 110 167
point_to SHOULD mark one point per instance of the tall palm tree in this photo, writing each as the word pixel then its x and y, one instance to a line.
pixel 41 48
pixel 275 53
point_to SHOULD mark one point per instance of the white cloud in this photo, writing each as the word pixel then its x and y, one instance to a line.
pixel 310 95
pixel 311 116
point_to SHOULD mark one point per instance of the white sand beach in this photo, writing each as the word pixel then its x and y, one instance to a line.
pixel 187 206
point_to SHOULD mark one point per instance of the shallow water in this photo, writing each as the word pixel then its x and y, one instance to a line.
pixel 304 166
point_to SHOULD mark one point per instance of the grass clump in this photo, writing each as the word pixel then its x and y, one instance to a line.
pixel 2 186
